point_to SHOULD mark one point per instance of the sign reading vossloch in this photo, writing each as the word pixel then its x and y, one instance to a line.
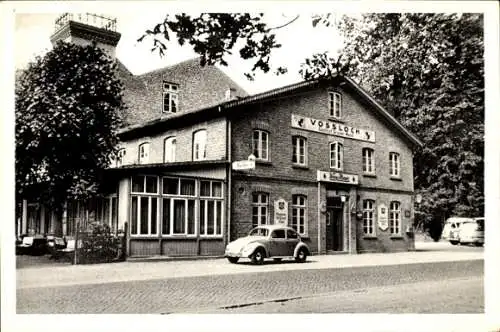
pixel 332 128
pixel 337 177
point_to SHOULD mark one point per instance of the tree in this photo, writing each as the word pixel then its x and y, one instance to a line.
pixel 68 106
pixel 426 69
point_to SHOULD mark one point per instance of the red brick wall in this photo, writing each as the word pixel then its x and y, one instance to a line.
pixel 275 116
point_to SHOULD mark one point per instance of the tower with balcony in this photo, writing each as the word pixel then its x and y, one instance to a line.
pixel 85 28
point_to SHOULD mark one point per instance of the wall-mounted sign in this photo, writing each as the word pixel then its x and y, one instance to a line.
pixel 243 164
pixel 337 177
pixel 407 214
pixel 280 211
pixel 383 217
pixel 332 128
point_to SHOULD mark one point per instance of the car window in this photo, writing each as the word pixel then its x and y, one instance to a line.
pixel 278 234
pixel 258 232
pixel 291 234
pixel 480 224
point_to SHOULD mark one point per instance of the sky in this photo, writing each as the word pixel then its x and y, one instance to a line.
pixel 299 40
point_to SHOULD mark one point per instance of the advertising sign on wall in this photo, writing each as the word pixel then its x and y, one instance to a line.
pixel 330 127
pixel 383 217
pixel 280 211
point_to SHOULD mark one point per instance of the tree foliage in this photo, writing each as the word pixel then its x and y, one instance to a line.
pixel 428 70
pixel 214 35
pixel 68 105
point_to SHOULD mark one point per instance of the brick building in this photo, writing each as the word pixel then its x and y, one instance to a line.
pixel 201 163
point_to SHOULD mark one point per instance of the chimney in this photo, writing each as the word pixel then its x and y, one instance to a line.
pixel 230 94
pixel 85 28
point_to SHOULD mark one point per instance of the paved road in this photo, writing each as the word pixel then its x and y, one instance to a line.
pixel 452 296
pixel 212 292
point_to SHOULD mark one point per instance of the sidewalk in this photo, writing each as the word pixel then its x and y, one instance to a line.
pixel 51 276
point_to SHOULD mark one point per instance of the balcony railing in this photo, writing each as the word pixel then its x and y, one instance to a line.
pixel 95 20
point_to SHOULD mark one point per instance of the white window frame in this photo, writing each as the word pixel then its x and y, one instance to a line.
pixel 211 197
pixel 369 217
pixel 145 192
pixel 144 149
pixel 180 197
pixel 299 203
pixel 394 164
pixel 260 145
pixel 260 204
pixel 150 197
pixel 335 104
pixel 337 156
pixel 200 145
pixel 368 161
pixel 395 218
pixel 119 156
pixel 169 149
pixel 298 143
pixel 170 92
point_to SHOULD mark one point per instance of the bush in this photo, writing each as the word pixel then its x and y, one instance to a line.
pixel 435 228
pixel 99 245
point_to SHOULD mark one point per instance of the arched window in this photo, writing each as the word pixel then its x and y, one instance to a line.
pixel 368 161
pixel 299 156
pixel 335 104
pixel 260 144
pixel 144 153
pixel 394 164
pixel 260 209
pixel 299 214
pixel 169 149
pixel 336 156
pixel 200 145
pixel 368 217
pixel 395 218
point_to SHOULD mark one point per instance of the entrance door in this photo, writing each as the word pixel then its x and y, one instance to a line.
pixel 334 230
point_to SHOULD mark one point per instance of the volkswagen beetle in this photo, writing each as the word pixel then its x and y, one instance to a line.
pixel 268 241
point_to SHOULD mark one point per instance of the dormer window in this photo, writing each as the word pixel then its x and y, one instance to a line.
pixel 335 104
pixel 170 97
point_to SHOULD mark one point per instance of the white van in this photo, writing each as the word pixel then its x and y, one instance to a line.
pixel 472 232
pixel 451 227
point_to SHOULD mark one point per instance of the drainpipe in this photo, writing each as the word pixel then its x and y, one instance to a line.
pixel 229 175
pixel 319 219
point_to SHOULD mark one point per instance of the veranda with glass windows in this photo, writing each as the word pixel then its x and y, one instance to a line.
pixel 177 216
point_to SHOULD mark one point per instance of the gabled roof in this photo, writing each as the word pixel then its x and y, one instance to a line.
pixel 199 87
pixel 271 94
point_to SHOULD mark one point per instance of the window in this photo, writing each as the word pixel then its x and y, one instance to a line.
pixel 170 97
pixel 144 209
pixel 395 218
pixel 336 155
pixel 200 145
pixel 335 104
pixel 211 208
pixel 299 213
pixel 144 215
pixel 368 217
pixel 278 234
pixel 299 156
pixel 144 153
pixel 394 164
pixel 145 184
pixel 368 161
pixel 169 149
pixel 260 207
pixel 178 205
pixel 260 143
pixel 120 155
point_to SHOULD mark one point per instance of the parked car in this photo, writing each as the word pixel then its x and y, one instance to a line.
pixel 32 245
pixel 268 241
pixel 472 232
pixel 451 227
